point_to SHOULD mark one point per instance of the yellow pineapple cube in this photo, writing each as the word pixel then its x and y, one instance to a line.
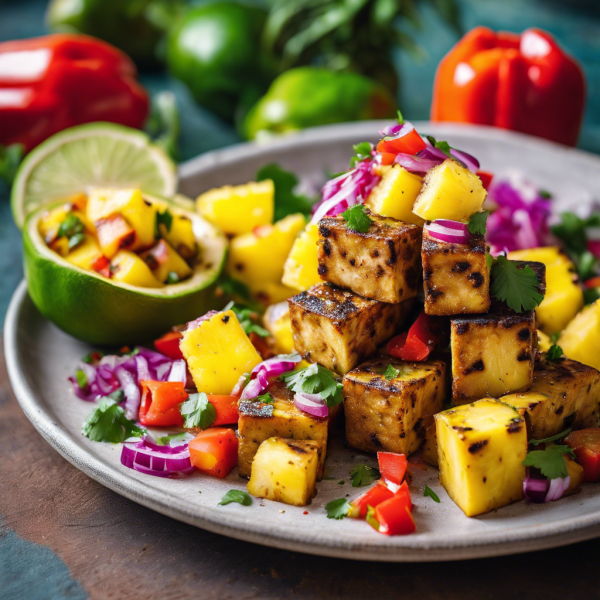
pixel 285 470
pixel 580 340
pixel 480 450
pixel 85 254
pixel 239 209
pixel 278 323
pixel 301 269
pixel 218 352
pixel 450 191
pixel 166 263
pixel 544 341
pixel 395 195
pixel 271 292
pixel 181 236
pixel 50 222
pixel 564 296
pixel 258 257
pixel 128 267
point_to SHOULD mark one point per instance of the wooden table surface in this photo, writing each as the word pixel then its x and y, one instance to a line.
pixel 62 535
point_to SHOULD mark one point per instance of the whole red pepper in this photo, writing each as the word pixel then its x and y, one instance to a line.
pixel 522 82
pixel 53 82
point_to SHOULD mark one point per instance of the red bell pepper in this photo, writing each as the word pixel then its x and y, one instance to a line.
pixel 160 403
pixel 594 282
pixel 392 466
pixel 409 143
pixel 486 179
pixel 394 516
pixel 168 345
pixel 53 82
pixel 214 451
pixel 522 82
pixel 226 408
pixel 377 494
pixel 420 340
pixel 586 445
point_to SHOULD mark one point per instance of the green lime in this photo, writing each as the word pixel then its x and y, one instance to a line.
pixel 94 155
pixel 104 312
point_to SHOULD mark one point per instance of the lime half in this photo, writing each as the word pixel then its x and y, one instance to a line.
pixel 93 155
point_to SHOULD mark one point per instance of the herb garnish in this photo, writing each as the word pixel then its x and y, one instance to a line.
pixel 163 218
pixel 338 509
pixel 478 223
pixel 357 218
pixel 238 496
pixel 553 438
pixel 550 461
pixel 429 492
pixel 519 288
pixel 108 423
pixel 81 378
pixel 265 398
pixel 166 440
pixel 316 380
pixel 362 152
pixel 364 475
pixel 244 316
pixel 391 372
pixel 72 228
pixel 197 411
pixel 172 277
pixel 443 146
pixel 555 353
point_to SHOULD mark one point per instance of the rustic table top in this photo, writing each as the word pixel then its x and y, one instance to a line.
pixel 64 536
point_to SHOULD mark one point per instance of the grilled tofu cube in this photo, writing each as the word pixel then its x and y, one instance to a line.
pixel 492 354
pixel 564 394
pixel 392 414
pixel 285 470
pixel 383 263
pixel 259 422
pixel 339 329
pixel 480 450
pixel 580 340
pixel 429 447
pixel 456 279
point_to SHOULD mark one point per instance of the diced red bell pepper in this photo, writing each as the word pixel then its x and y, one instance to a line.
pixel 422 337
pixel 377 494
pixel 387 158
pixel 586 445
pixel 160 403
pixel 214 451
pixel 486 179
pixel 168 345
pixel 226 408
pixel 261 346
pixel 591 283
pixel 409 143
pixel 392 466
pixel 394 516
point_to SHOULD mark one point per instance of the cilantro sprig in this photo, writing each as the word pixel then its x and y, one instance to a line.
pixel 245 317
pixel 478 223
pixel 72 228
pixel 265 398
pixel 364 475
pixel 316 380
pixel 443 146
pixel 550 461
pixel 238 496
pixel 197 411
pixel 391 372
pixel 429 492
pixel 553 438
pixel 108 423
pixel 357 218
pixel 338 509
pixel 518 287
pixel 555 353
pixel 362 152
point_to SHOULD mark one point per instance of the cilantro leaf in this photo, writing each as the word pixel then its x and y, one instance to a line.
pixel 400 118
pixel 443 146
pixel 108 423
pixel 163 218
pixel 265 398
pixel 172 277
pixel 489 260
pixel 238 496
pixel 357 218
pixel 316 380
pixel 477 223
pixel 244 316
pixel 197 411
pixel 364 475
pixel 72 228
pixel 338 509
pixel 572 232
pixel 549 461
pixel 362 152
pixel 558 436
pixel 166 440
pixel 429 492
pixel 81 378
pixel 287 202
pixel 554 353
pixel 519 288
pixel 391 372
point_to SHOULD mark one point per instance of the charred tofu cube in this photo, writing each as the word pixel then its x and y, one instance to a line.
pixel 564 394
pixel 391 413
pixel 259 422
pixel 492 354
pixel 480 450
pixel 382 264
pixel 456 279
pixel 339 329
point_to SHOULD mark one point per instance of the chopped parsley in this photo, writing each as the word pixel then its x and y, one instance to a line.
pixel 72 228
pixel 357 218
pixel 391 372
pixel 550 461
pixel 166 440
pixel 163 218
pixel 338 509
pixel 197 411
pixel 558 436
pixel 362 152
pixel 108 423
pixel 244 316
pixel 478 223
pixel 316 380
pixel 429 492
pixel 554 353
pixel 364 475
pixel 518 287
pixel 238 496
pixel 81 378
pixel 265 398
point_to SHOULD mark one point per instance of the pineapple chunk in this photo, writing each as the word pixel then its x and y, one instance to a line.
pixel 127 267
pixel 114 234
pixel 164 261
pixel 278 323
pixel 395 195
pixel 450 191
pixel 564 394
pixel 339 329
pixel 391 414
pixel 181 236
pixel 492 354
pixel 271 293
pixel 456 278
pixel 564 296
pixel 480 450
pixel 239 209
pixel 580 340
pixel 544 341
pixel 50 222
pixel 301 266
pixel 258 257
pixel 218 352
pixel 259 422
pixel 383 263
pixel 285 471
pixel 85 254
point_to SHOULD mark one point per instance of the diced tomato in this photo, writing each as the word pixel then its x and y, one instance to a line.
pixel 586 445
pixel 100 264
pixel 409 143
pixel 160 403
pixel 168 345
pixel 392 466
pixel 387 158
pixel 261 346
pixel 395 516
pixel 486 179
pixel 377 494
pixel 591 283
pixel 226 408
pixel 214 451
pixel 420 340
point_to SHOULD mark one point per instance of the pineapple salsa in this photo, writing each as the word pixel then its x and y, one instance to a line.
pixel 408 298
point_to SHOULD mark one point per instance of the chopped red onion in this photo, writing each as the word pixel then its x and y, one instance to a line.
pixel 458 233
pixel 396 131
pixel 160 461
pixel 178 371
pixel 266 370
pixel 416 164
pixel 469 161
pixel 544 490
pixel 193 324
pixel 312 404
pixel 558 487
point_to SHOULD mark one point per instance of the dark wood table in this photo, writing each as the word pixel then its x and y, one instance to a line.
pixel 95 543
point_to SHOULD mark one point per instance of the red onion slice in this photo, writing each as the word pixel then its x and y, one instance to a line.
pixel 544 490
pixel 178 371
pixel 451 235
pixel 160 461
pixel 396 131
pixel 264 371
pixel 415 164
pixel 194 324
pixel 558 487
pixel 312 404
pixel 470 161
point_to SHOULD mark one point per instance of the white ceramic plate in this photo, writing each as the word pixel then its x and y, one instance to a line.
pixel 40 357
